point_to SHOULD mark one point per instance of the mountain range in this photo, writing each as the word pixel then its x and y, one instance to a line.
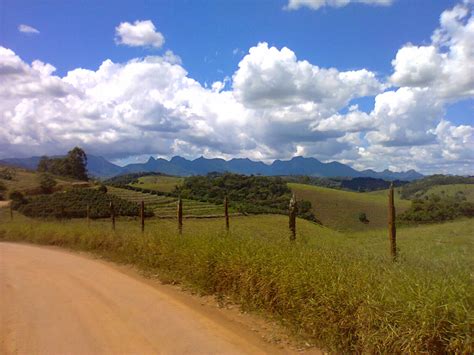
pixel 102 168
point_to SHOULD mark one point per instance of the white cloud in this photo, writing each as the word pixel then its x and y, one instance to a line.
pixel 275 106
pixel 446 66
pixel 317 4
pixel 269 77
pixel 27 29
pixel 138 34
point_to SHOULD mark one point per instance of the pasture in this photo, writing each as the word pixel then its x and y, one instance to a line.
pixel 158 182
pixel 340 209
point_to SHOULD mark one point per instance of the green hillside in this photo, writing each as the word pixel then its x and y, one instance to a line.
pixel 27 181
pixel 340 210
pixel 158 183
pixel 451 190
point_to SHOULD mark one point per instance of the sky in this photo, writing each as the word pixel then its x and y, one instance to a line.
pixel 380 84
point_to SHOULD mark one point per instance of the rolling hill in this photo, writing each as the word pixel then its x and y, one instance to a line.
pixel 339 210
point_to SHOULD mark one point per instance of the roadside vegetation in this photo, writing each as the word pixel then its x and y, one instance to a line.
pixel 340 292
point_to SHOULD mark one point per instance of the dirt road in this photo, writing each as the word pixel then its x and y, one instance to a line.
pixel 57 302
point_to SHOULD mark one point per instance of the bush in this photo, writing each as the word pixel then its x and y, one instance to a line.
pixel 18 199
pixel 47 183
pixel 102 188
pixel 363 217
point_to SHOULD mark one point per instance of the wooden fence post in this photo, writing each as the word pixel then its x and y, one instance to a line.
pixel 88 215
pixel 392 231
pixel 112 214
pixel 226 212
pixel 11 210
pixel 292 215
pixel 180 215
pixel 142 215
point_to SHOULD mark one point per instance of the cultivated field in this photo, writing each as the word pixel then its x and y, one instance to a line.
pixel 165 206
pixel 338 291
pixel 158 183
pixel 340 209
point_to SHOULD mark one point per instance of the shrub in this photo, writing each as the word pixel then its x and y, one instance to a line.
pixel 47 183
pixel 18 199
pixel 363 217
pixel 102 188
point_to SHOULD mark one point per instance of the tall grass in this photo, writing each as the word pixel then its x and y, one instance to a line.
pixel 339 292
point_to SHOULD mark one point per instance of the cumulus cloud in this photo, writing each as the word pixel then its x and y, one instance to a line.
pixel 317 4
pixel 274 106
pixel 446 66
pixel 269 77
pixel 27 29
pixel 138 34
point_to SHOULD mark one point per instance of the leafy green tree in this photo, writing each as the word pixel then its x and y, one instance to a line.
pixel 47 183
pixel 74 165
pixel 76 162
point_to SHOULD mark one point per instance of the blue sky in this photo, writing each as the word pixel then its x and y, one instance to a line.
pixel 211 38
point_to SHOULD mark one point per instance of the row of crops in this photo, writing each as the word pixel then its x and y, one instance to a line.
pixel 165 206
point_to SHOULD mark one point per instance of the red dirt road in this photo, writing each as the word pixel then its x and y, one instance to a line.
pixel 57 302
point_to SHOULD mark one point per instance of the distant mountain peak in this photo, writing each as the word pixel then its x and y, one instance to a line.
pixel 177 165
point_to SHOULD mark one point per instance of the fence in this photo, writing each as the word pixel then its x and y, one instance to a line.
pixel 292 213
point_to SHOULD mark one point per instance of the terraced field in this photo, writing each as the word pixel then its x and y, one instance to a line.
pixel 165 206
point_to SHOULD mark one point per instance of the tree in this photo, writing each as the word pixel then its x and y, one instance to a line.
pixel 74 165
pixel 76 162
pixel 47 183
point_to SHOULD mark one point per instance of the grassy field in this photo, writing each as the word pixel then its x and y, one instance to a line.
pixel 165 206
pixel 340 209
pixel 158 183
pixel 27 181
pixel 337 291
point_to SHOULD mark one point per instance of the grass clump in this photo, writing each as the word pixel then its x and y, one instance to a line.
pixel 338 291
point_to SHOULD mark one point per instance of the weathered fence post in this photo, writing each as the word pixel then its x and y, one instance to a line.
pixel 11 210
pixel 226 212
pixel 88 215
pixel 112 214
pixel 392 231
pixel 142 215
pixel 180 215
pixel 292 214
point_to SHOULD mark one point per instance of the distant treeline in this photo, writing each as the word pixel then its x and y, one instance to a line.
pixel 435 208
pixel 420 187
pixel 73 165
pixel 361 184
pixel 247 194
